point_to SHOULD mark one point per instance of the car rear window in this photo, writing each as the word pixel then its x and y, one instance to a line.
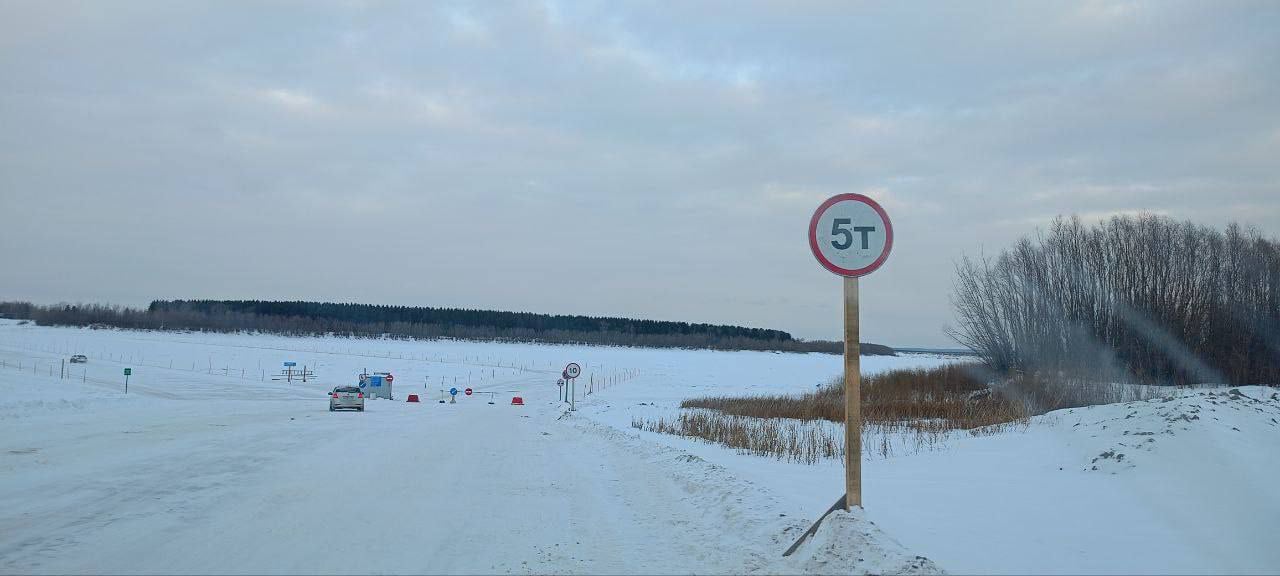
pixel 347 389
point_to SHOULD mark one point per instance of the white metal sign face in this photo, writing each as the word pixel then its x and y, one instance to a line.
pixel 572 370
pixel 850 235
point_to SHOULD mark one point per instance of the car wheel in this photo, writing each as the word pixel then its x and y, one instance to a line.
pixel 331 408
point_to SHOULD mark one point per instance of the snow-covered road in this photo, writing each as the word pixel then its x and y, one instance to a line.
pixel 193 473
pixel 285 486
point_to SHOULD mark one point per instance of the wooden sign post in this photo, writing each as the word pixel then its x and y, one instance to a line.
pixel 852 397
pixel 850 235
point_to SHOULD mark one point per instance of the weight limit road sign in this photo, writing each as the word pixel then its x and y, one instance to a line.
pixel 850 235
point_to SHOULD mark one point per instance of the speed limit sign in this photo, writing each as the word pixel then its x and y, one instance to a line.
pixel 573 370
pixel 850 235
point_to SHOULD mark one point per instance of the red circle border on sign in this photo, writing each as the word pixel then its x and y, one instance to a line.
pixel 813 235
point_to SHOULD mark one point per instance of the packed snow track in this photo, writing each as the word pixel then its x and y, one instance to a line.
pixel 197 472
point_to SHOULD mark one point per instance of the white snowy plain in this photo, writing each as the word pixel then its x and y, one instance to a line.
pixel 208 466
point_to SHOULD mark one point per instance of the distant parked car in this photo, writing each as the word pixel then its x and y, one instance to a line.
pixel 346 397
pixel 79 359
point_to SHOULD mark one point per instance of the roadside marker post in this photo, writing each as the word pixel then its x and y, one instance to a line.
pixel 127 372
pixel 851 236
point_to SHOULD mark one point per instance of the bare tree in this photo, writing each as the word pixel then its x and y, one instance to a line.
pixel 1142 298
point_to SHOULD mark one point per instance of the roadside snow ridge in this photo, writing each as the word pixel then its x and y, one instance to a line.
pixel 1135 431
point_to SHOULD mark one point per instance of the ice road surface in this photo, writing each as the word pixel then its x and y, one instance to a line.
pixel 203 468
pixel 209 466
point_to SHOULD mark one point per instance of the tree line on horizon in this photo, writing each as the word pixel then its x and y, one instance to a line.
pixel 369 320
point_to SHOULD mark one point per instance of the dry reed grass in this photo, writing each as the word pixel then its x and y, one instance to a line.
pixel 1042 394
pixel 903 411
pixel 950 397
pixel 790 440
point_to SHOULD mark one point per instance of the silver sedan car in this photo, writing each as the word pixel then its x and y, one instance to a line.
pixel 346 398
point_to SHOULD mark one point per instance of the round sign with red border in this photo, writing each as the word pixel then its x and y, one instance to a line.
pixel 390 378
pixel 467 391
pixel 850 235
pixel 572 370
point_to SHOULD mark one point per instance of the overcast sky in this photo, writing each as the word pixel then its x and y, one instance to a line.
pixel 655 160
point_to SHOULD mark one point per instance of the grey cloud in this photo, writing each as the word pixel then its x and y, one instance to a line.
pixel 606 158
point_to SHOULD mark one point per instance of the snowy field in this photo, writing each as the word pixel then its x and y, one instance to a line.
pixel 209 465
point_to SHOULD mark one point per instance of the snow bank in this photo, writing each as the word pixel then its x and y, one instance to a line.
pixel 847 543
pixel 1180 484
pixel 1183 484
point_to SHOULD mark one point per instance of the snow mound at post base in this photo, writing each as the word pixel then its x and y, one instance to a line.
pixel 846 543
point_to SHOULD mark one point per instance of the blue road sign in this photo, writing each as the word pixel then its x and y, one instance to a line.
pixel 453 391
pixel 290 363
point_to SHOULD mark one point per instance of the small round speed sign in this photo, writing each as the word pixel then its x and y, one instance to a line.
pixel 850 235
pixel 572 370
